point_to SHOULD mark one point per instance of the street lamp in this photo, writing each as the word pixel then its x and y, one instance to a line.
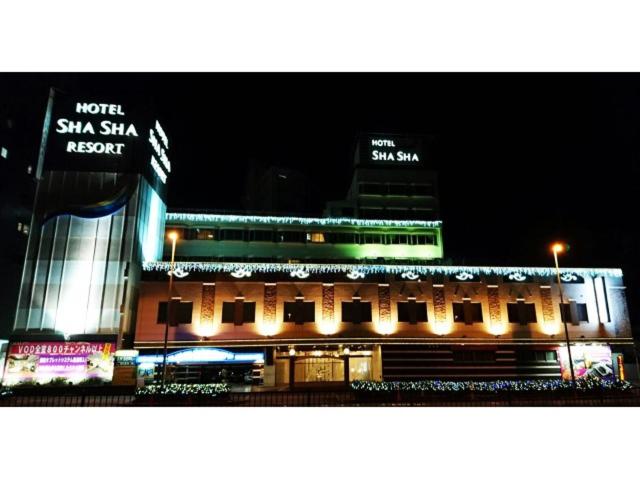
pixel 173 236
pixel 557 248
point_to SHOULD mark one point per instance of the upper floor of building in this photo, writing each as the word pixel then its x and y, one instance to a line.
pixel 208 237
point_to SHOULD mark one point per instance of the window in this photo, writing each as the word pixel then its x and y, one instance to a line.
pixel 412 312
pixel 262 235
pixel 299 312
pixel 423 240
pixel 467 312
pixel 238 312
pixel 536 356
pixel 315 237
pixel 232 234
pixel 204 234
pixel 373 189
pixel 4 153
pixel 521 312
pixel 573 312
pixel 19 226
pixel 399 189
pixel 356 311
pixel 475 356
pixel 423 190
pixel 397 239
pixel 371 238
pixel 182 312
pixel 29 170
pixel 291 237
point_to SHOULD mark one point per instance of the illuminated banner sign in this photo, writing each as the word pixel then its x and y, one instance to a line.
pixel 588 361
pixel 390 150
pixel 100 136
pixel 204 355
pixel 42 362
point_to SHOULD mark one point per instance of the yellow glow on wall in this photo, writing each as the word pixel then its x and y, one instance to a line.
pixel 385 327
pixel 498 328
pixel 551 328
pixel 327 326
pixel 207 329
pixel 442 327
pixel 268 328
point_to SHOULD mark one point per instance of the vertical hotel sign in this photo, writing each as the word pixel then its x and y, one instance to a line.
pixel 108 137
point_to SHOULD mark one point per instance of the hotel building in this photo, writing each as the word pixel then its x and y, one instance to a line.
pixel 362 293
pixel 368 296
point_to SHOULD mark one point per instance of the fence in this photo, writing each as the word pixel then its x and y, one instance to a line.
pixel 323 398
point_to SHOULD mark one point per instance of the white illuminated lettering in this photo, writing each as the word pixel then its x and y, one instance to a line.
pixel 156 167
pixel 102 108
pixel 111 128
pixel 62 125
pixel 376 142
pixel 163 136
pixel 95 147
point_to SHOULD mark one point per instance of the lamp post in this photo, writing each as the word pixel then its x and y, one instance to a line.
pixel 559 248
pixel 173 236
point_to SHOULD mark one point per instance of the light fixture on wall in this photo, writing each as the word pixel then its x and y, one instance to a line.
pixel 292 352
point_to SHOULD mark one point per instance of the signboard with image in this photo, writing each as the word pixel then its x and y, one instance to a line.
pixel 588 361
pixel 42 362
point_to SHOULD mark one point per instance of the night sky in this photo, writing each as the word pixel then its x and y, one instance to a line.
pixel 523 159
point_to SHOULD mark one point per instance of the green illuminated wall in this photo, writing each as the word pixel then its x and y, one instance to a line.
pixel 203 249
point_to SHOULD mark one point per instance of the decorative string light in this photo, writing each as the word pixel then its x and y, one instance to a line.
pixel 355 274
pixel 300 273
pixel 568 277
pixel 410 275
pixel 584 384
pixel 184 389
pixel 248 219
pixel 178 273
pixel 241 273
pixel 464 276
pixel 245 269
pixel 517 276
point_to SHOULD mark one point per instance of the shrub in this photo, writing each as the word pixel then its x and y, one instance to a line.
pixel 184 389
pixel 435 386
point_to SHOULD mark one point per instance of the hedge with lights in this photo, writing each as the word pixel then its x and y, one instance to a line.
pixel 184 390
pixel 497 386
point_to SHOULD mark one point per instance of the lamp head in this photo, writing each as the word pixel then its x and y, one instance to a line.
pixel 558 247
pixel 173 235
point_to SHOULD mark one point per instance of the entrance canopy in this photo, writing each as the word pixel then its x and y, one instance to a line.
pixel 204 355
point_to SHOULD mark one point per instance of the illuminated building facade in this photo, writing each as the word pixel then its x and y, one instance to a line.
pixel 283 301
pixel 365 294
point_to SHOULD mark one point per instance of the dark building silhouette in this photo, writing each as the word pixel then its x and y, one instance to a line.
pixel 17 188
pixel 273 189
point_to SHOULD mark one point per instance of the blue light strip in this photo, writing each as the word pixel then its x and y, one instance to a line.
pixel 249 219
pixel 423 270
pixel 203 355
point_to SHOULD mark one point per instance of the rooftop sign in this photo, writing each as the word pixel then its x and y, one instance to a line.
pixel 87 135
pixel 386 149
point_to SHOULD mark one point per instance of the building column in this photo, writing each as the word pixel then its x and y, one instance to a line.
pixel 346 370
pixel 207 307
pixel 376 363
pixel 292 372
